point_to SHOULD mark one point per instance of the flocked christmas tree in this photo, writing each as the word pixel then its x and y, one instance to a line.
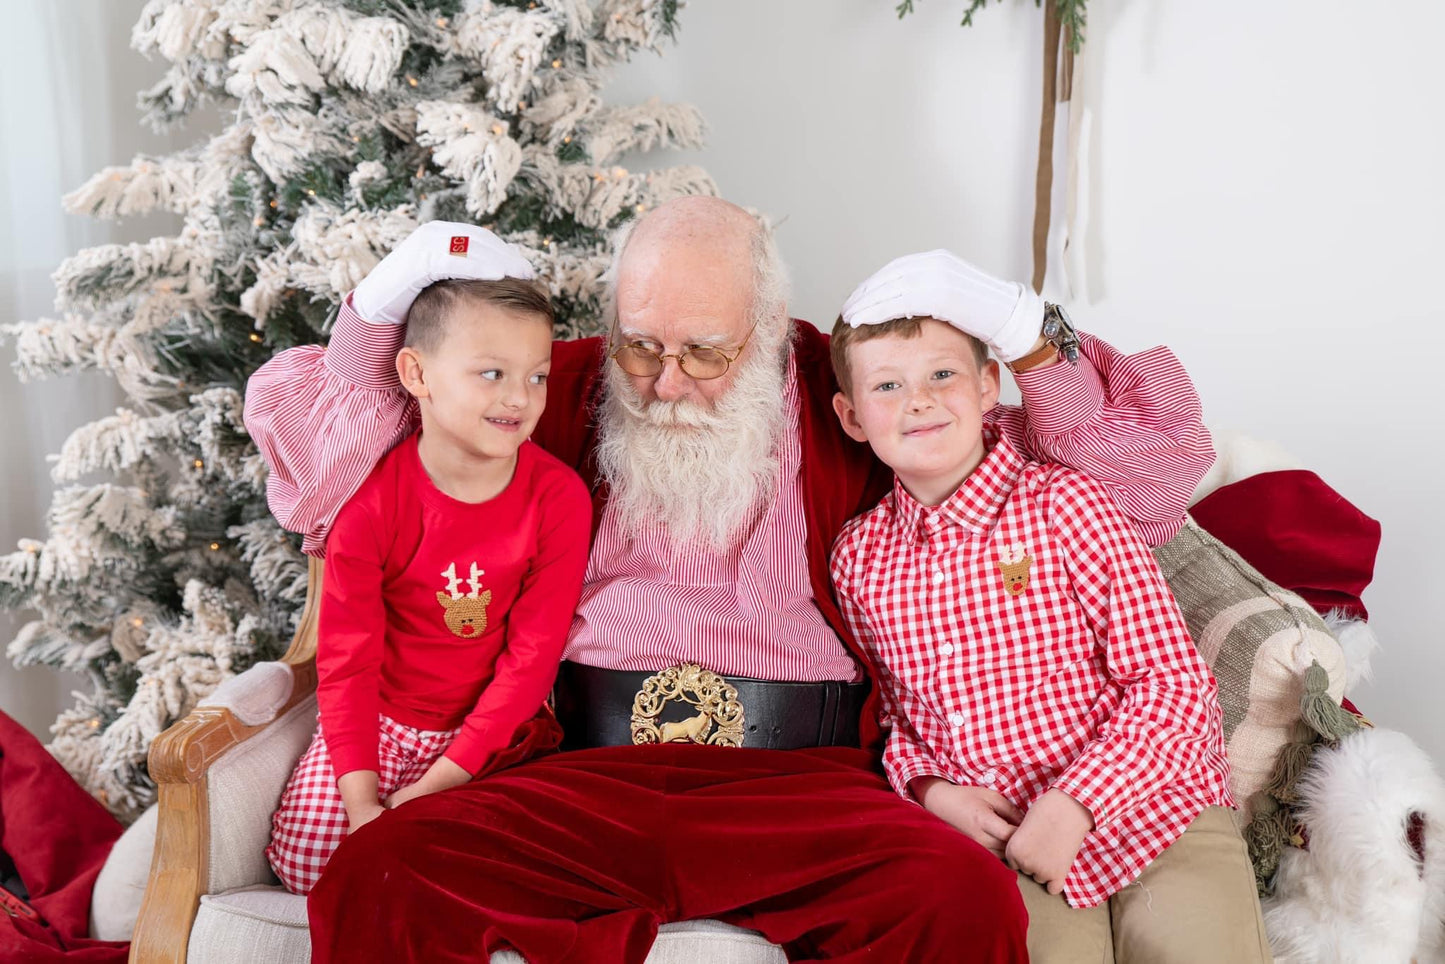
pixel 349 124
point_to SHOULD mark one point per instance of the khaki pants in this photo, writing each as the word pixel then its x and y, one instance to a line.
pixel 1195 903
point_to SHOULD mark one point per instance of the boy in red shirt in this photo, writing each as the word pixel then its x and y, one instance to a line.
pixel 1043 692
pixel 451 576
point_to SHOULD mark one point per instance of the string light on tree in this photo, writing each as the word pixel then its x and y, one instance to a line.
pixel 279 219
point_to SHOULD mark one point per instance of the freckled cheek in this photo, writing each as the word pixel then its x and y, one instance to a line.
pixel 878 417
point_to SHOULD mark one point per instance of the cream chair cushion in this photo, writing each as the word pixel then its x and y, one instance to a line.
pixel 244 788
pixel 267 925
pixel 115 900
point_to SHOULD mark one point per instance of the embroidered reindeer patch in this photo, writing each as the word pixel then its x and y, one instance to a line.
pixel 465 615
pixel 1014 562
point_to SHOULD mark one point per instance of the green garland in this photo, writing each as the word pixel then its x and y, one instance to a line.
pixel 1071 15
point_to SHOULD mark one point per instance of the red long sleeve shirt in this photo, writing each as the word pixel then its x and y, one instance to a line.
pixel 441 613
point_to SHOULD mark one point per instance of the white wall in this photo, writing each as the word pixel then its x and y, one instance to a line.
pixel 68 83
pixel 1265 195
pixel 1265 198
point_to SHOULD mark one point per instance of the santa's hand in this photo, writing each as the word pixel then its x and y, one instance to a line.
pixel 436 251
pixel 1005 315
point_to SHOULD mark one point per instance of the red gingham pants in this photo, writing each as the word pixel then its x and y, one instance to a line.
pixel 311 821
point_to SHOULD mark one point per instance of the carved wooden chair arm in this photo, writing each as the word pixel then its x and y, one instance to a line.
pixel 178 762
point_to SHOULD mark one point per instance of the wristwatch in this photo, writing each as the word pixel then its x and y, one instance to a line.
pixel 1060 340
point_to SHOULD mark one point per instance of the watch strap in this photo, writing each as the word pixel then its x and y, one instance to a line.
pixel 1045 352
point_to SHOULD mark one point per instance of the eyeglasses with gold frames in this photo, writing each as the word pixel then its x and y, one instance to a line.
pixel 703 362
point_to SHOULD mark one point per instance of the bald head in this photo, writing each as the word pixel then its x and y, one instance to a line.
pixel 701 247
pixel 707 241
pixel 719 226
pixel 703 255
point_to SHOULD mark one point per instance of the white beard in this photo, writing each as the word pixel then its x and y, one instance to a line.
pixel 704 476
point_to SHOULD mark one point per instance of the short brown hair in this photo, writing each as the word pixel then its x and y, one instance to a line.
pixel 437 305
pixel 845 335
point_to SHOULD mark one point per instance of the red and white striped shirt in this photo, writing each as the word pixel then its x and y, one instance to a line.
pixel 1025 640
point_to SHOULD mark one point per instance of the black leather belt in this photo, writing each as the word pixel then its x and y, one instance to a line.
pixel 595 708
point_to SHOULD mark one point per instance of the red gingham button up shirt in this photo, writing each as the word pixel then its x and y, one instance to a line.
pixel 1025 640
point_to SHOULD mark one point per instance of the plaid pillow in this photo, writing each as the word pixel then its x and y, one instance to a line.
pixel 1259 640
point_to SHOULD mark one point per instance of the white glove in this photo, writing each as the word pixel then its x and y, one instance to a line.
pixel 385 295
pixel 1005 315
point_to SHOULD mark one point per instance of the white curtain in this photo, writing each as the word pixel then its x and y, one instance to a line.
pixel 68 85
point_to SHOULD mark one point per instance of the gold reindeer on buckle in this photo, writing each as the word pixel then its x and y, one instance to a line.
pixel 715 698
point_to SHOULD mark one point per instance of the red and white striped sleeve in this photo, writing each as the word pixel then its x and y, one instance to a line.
pixel 323 418
pixel 1133 422
pixel 1168 724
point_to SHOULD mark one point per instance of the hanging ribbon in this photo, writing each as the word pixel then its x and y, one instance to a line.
pixel 1058 89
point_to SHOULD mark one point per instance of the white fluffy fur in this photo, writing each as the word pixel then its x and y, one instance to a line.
pixel 1358 895
pixel 1238 457
pixel 1358 642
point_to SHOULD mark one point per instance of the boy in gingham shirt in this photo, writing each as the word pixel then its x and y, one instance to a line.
pixel 1043 692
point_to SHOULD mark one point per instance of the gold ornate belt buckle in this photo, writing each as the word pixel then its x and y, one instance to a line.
pixel 719 719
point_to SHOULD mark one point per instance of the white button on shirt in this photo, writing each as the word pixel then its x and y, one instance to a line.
pixel 946 649
pixel 1081 677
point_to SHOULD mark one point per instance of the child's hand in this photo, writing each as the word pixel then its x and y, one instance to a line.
pixel 441 775
pixel 409 792
pixel 360 797
pixel 982 815
pixel 362 816
pixel 1048 840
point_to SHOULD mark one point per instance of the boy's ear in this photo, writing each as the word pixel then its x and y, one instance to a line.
pixel 409 370
pixel 848 416
pixel 989 385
